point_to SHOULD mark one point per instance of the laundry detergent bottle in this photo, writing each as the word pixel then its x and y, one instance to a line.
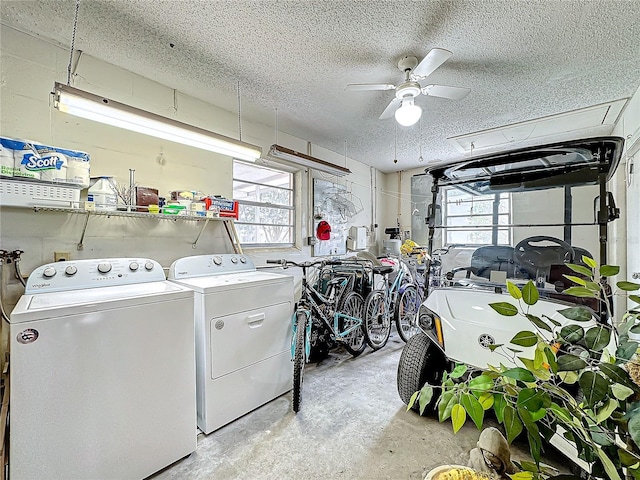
pixel 104 194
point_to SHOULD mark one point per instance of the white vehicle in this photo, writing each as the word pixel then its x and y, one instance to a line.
pixel 536 209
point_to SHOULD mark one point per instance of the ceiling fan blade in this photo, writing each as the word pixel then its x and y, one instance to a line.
pixel 391 108
pixel 369 86
pixel 445 91
pixel 435 58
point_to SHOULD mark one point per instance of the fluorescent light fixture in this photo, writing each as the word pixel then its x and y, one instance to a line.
pixel 409 113
pixel 93 107
pixel 307 160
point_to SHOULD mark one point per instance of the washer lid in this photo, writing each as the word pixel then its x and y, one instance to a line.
pixel 88 300
pixel 233 281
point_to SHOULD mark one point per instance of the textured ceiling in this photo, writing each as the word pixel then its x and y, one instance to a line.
pixel 522 60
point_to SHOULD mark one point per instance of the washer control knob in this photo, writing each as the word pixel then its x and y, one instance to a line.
pixel 234 260
pixel 49 272
pixel 243 260
pixel 133 266
pixel 104 267
pixel 148 266
pixel 217 260
pixel 71 270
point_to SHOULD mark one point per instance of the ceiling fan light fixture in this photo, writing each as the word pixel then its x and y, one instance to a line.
pixel 408 114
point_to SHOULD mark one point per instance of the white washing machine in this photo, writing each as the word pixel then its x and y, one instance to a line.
pixel 243 334
pixel 102 372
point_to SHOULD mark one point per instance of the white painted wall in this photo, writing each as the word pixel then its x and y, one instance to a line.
pixel 30 66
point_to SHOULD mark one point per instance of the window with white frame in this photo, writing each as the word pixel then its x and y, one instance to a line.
pixel 265 197
pixel 476 219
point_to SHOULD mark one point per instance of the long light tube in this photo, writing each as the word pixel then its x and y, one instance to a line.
pixel 93 107
pixel 298 158
pixel 408 113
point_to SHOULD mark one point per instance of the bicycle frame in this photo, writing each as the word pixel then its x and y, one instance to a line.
pixel 310 303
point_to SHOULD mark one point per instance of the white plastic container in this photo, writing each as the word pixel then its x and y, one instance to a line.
pixel 103 194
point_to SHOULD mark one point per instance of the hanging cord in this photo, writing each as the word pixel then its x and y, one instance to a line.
pixel 420 159
pixel 16 266
pixel 73 42
pixel 276 126
pixel 395 144
pixel 239 114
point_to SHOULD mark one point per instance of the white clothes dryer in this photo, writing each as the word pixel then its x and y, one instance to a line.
pixel 243 334
pixel 102 372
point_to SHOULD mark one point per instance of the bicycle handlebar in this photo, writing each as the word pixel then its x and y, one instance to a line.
pixel 284 263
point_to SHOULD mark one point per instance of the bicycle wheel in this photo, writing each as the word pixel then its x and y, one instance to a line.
pixel 406 320
pixel 299 359
pixel 377 320
pixel 352 305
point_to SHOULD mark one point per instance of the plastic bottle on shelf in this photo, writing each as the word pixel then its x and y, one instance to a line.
pixel 104 194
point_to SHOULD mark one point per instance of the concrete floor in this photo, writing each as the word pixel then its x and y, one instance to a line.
pixel 352 425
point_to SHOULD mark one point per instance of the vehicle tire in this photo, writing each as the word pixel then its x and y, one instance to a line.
pixel 420 362
pixel 352 305
pixel 377 320
pixel 299 359
pixel 406 313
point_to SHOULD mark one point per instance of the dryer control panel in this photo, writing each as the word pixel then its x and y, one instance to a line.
pixel 104 272
pixel 206 265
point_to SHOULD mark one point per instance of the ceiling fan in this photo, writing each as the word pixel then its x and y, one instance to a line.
pixel 406 111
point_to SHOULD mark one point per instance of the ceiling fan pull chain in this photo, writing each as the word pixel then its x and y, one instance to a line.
pixel 73 42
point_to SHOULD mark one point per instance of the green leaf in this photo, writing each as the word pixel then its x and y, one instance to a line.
pixel 499 404
pixel 504 308
pixel 551 359
pixel 634 427
pixel 514 291
pixel 412 400
pixel 486 400
pixel 460 370
pixel 481 383
pixel 628 286
pixel 579 314
pixel 606 410
pixel 634 298
pixel 609 467
pixel 538 414
pixel 446 403
pixel 541 324
pixel 525 339
pixel 458 417
pixel 495 346
pixel 514 350
pixel 574 279
pixel 594 386
pixel 554 322
pixel 580 292
pixel 512 423
pixel 597 338
pixel 626 350
pixel 621 392
pixel 609 270
pixel 570 363
pixel 426 394
pixel 627 458
pixel 617 374
pixel 535 442
pixel 519 374
pixel 522 476
pixel 530 293
pixel 473 408
pixel 572 333
pixel 589 261
pixel 593 286
pixel 581 269
pixel 530 399
pixel 568 376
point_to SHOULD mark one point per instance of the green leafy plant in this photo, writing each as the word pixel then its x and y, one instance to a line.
pixel 574 376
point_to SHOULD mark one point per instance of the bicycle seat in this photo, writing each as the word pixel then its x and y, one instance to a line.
pixel 382 270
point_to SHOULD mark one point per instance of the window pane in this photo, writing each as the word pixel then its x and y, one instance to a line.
pixel 261 193
pixel 257 234
pixel 267 223
pixel 469 221
pixel 266 215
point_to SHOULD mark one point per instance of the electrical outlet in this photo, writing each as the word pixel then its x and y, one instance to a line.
pixel 61 256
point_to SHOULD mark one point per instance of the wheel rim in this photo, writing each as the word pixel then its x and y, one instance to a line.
pixel 353 308
pixel 377 320
pixel 407 314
